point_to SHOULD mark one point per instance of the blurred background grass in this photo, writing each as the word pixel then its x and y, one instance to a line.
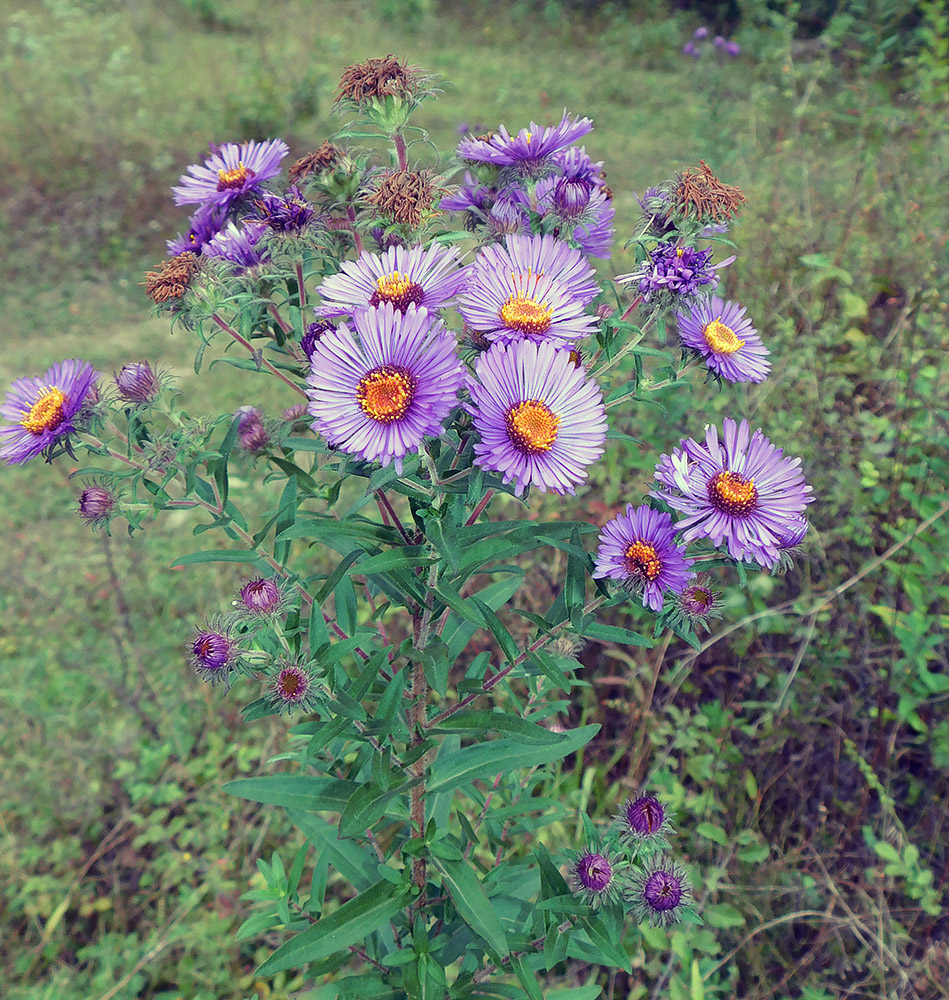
pixel 807 752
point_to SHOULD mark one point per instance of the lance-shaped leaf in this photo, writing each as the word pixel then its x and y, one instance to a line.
pixel 472 903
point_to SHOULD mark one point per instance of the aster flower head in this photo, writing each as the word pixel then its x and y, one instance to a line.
pixel 643 819
pixel 98 504
pixel 725 338
pixel 291 688
pixel 172 279
pixel 541 422
pixel 595 875
pixel 659 892
pixel 319 161
pixel 401 277
pixel 289 213
pixel 206 223
pixel 260 598
pixel 380 396
pixel 639 549
pixel 232 171
pixel 673 274
pixel 239 245
pixel 698 195
pixel 698 604
pixel 530 151
pixel 138 383
pixel 735 489
pixel 313 333
pixel 404 196
pixel 253 433
pixel 214 653
pixel 44 410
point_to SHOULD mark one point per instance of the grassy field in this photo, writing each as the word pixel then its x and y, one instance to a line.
pixel 806 747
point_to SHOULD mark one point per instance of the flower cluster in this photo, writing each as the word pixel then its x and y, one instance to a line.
pixel 631 866
pixel 697 45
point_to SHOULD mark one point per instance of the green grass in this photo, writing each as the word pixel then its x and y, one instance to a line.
pixel 803 751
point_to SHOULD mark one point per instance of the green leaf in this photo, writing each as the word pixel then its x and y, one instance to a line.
pixel 295 791
pixel 486 760
pixel 526 977
pixel 217 555
pixel 712 832
pixel 394 559
pixel 356 863
pixel 502 722
pixel 366 805
pixel 352 923
pixel 472 903
pixel 613 633
pixel 609 950
pixel 723 915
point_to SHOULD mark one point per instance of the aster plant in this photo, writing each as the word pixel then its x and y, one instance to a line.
pixel 447 359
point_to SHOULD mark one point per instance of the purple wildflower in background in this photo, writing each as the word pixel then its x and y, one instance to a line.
pixel 43 409
pixel 289 213
pixel 540 421
pixel 595 876
pixel 291 688
pixel 259 598
pixel 698 604
pixel 214 653
pixel 719 42
pixel 726 340
pixel 206 223
pixel 738 490
pixel 659 892
pixel 674 272
pixel 700 33
pixel 732 49
pixel 639 549
pixel 379 398
pixel 313 333
pixel 531 150
pixel 137 383
pixel 238 245
pixel 97 505
pixel 643 818
pixel 690 49
pixel 231 171
pixel 401 277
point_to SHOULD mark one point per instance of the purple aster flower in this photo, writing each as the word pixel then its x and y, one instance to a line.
pixel 739 490
pixel 595 875
pixel 659 892
pixel 137 383
pixel 238 245
pixel 794 533
pixel 231 171
pixel 507 217
pixel 214 653
pixel 698 604
pixel 639 548
pixel 291 688
pixel 288 213
pixel 470 196
pixel 530 151
pixel 643 818
pixel 400 277
pixel 540 421
pixel 206 223
pixel 313 333
pixel 43 409
pixel 97 505
pixel 732 49
pixel 725 338
pixel 700 33
pixel 690 49
pixel 380 397
pixel 542 255
pixel 719 42
pixel 674 273
pixel 260 598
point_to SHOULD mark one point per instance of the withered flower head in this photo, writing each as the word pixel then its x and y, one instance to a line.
pixel 172 278
pixel 380 78
pixel 404 195
pixel 324 158
pixel 701 195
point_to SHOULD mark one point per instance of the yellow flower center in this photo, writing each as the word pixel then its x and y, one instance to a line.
pixel 526 315
pixel 642 561
pixel 680 251
pixel 532 426
pixel 46 414
pixel 733 494
pixel 398 289
pixel 235 178
pixel 386 393
pixel 722 339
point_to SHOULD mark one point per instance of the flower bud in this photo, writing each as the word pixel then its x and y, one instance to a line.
pixel 137 383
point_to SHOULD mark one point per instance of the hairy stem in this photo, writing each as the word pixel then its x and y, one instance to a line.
pixel 254 353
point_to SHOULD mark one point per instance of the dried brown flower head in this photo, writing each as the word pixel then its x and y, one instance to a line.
pixel 172 278
pixel 324 158
pixel 404 195
pixel 386 77
pixel 701 195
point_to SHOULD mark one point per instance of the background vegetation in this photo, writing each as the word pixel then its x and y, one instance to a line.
pixel 805 747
